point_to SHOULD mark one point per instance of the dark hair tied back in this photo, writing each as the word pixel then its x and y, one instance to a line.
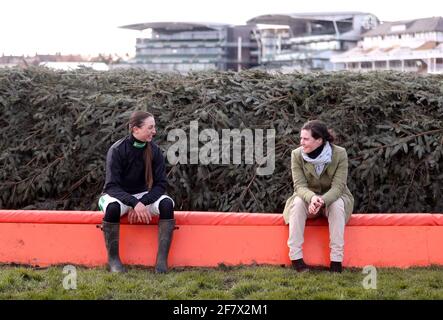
pixel 136 119
pixel 319 130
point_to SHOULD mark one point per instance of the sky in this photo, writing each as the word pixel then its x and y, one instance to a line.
pixel 90 27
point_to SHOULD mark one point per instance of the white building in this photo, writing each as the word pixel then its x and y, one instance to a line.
pixel 413 45
pixel 307 41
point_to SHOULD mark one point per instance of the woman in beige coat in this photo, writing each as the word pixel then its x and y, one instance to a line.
pixel 319 173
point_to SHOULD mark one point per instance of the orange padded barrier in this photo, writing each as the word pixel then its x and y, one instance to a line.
pixel 210 238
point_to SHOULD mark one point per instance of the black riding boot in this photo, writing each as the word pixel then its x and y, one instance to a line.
pixel 111 232
pixel 165 229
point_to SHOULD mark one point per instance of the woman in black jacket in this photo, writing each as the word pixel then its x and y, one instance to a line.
pixel 136 184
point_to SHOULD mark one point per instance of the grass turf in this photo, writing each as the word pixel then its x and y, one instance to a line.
pixel 222 283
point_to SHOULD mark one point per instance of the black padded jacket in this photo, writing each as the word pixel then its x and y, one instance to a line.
pixel 125 172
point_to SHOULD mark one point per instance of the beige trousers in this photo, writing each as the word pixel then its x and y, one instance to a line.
pixel 297 221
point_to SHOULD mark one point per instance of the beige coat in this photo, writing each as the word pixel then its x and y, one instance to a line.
pixel 331 184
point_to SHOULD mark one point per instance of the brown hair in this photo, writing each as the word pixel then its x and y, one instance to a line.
pixel 136 120
pixel 319 130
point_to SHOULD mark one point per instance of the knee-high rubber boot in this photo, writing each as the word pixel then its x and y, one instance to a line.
pixel 111 232
pixel 165 230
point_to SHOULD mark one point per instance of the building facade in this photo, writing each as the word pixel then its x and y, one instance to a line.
pixel 307 41
pixel 413 45
pixel 184 47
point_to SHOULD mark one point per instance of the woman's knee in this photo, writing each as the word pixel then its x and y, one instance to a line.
pixel 298 206
pixel 337 206
pixel 166 209
pixel 337 209
pixel 112 213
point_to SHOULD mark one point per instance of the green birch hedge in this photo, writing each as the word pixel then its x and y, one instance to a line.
pixel 56 128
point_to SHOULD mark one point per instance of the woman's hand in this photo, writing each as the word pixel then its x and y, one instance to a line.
pixel 316 204
pixel 140 213
pixel 131 216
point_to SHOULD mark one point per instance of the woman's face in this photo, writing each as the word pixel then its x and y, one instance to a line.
pixel 308 143
pixel 146 131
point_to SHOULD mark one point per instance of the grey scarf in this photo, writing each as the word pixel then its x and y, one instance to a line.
pixel 322 160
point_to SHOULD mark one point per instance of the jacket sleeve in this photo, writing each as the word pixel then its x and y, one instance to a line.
pixel 339 180
pixel 114 179
pixel 160 182
pixel 299 179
